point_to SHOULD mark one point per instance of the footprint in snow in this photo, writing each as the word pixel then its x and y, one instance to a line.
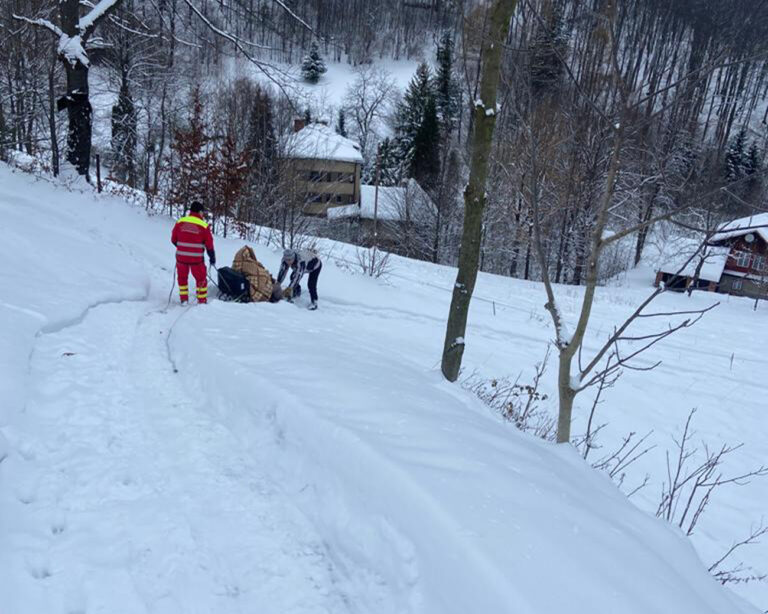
pixel 26 497
pixel 58 527
pixel 39 569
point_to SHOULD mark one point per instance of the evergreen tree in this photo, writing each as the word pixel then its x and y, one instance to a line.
pixel 752 163
pixel 389 164
pixel 425 161
pixel 262 148
pixel 548 50
pixel 307 117
pixel 447 95
pixel 341 127
pixel 261 140
pixel 736 157
pixel 124 124
pixel 410 114
pixel 313 66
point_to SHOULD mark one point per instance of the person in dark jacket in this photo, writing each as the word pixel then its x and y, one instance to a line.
pixel 192 239
pixel 300 262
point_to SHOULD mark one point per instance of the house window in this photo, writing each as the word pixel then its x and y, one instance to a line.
pixel 759 264
pixel 742 259
pixel 318 176
pixel 738 284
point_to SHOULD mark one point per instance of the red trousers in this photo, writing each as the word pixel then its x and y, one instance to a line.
pixel 201 280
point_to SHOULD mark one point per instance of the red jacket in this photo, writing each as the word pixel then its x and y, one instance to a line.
pixel 192 238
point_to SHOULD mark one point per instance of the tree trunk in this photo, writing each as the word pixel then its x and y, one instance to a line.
pixel 79 114
pixel 78 106
pixel 566 395
pixel 474 194
pixel 52 118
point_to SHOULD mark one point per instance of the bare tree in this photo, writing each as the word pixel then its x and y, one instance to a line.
pixel 366 103
pixel 694 476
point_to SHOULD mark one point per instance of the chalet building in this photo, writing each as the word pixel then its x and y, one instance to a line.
pixel 735 261
pixel 326 166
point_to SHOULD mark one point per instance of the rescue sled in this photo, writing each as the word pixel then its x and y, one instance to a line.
pixel 233 286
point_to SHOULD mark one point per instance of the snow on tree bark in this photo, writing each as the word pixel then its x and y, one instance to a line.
pixel 73 36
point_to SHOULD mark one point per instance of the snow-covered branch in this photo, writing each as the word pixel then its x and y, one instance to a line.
pixel 287 9
pixel 89 21
pixel 43 23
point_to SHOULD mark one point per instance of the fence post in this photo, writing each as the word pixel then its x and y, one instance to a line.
pixel 98 173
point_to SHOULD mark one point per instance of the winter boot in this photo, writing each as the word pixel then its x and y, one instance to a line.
pixel 312 306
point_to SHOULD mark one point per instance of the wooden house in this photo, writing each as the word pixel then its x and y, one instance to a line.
pixel 746 268
pixel 734 261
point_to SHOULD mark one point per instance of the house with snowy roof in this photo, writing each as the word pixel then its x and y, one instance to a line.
pixel 398 211
pixel 326 166
pixel 734 261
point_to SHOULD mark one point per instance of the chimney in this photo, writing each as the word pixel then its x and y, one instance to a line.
pixel 298 123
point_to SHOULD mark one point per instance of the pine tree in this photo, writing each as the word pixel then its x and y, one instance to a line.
pixel 752 163
pixel 261 140
pixel 313 66
pixel 341 127
pixel 389 164
pixel 736 157
pixel 124 124
pixel 410 114
pixel 447 95
pixel 261 146
pixel 548 50
pixel 425 161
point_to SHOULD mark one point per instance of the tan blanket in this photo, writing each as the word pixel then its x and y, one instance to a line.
pixel 262 283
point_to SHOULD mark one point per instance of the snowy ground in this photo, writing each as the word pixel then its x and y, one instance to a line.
pixel 305 462
pixel 328 93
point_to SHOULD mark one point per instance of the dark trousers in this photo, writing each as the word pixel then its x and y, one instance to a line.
pixel 312 283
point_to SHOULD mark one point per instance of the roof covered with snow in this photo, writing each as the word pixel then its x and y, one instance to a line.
pixel 395 203
pixel 757 224
pixel 319 142
pixel 711 268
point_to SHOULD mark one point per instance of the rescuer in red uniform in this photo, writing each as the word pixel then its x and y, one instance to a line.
pixel 192 239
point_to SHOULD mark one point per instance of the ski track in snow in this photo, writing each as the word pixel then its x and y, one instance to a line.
pixel 120 451
pixel 298 463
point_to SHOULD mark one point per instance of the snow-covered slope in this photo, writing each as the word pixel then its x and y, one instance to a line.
pixel 297 461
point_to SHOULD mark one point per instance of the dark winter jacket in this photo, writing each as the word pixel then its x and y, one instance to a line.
pixel 301 261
